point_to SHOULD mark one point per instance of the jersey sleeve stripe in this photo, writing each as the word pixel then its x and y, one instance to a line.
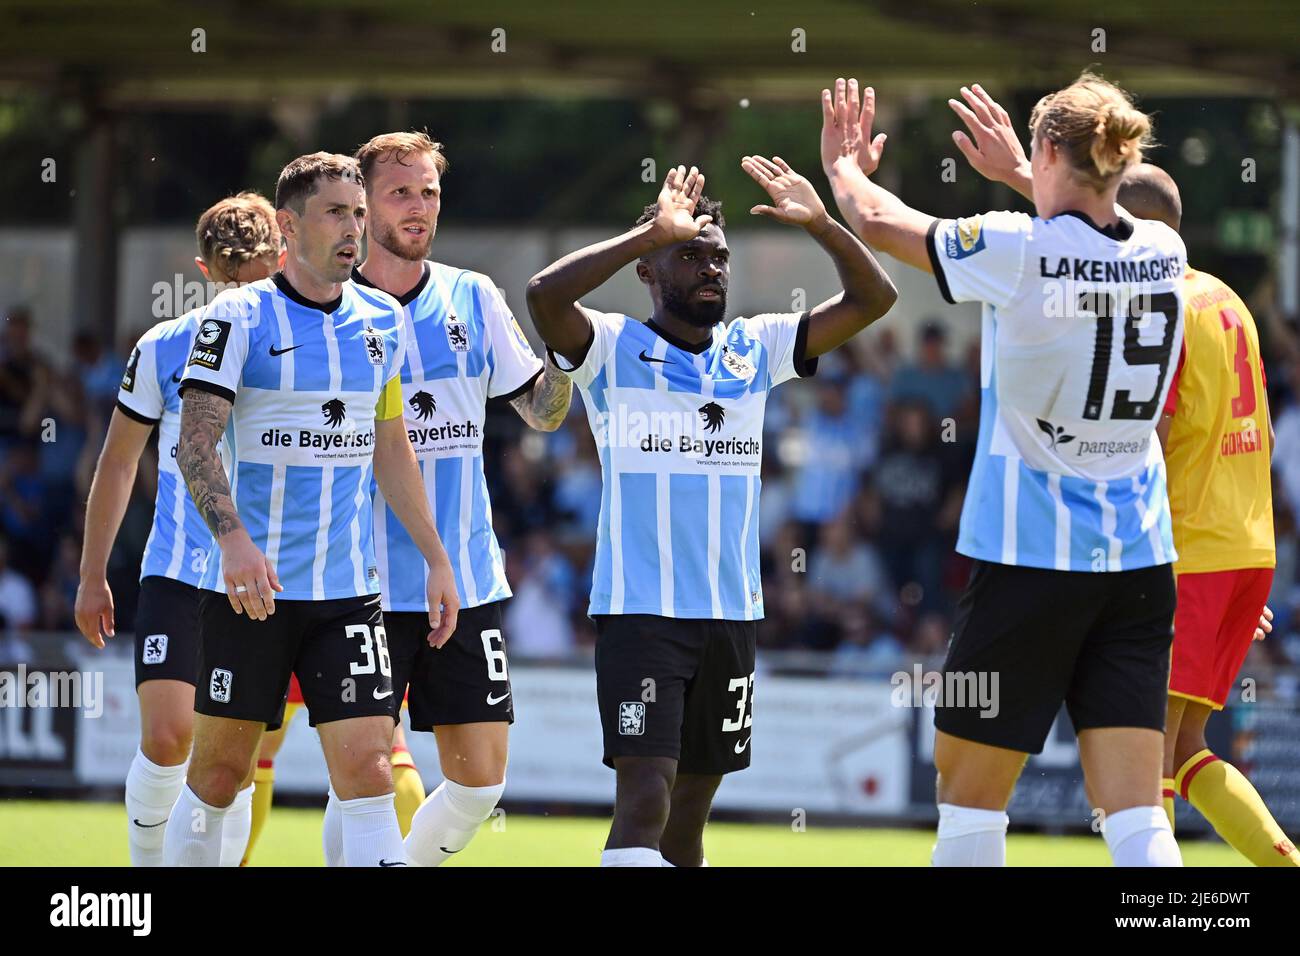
pixel 803 365
pixel 131 413
pixel 211 387
pixel 935 263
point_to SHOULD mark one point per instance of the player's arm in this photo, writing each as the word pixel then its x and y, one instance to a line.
pixel 849 155
pixel 554 292
pixel 546 403
pixel 992 147
pixel 250 580
pixel 868 292
pixel 110 491
pixel 397 472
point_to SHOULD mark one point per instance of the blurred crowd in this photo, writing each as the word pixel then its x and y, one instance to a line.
pixel 864 472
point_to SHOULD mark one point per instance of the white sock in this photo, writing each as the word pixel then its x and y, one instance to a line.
pixel 371 836
pixel 193 836
pixel 1141 836
pixel 448 819
pixel 632 856
pixel 151 790
pixel 239 821
pixel 970 837
pixel 332 833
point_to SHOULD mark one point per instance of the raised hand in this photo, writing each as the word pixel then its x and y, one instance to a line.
pixel 992 147
pixel 675 217
pixel 847 120
pixel 794 200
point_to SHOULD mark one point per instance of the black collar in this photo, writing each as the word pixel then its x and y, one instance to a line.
pixel 407 297
pixel 698 348
pixel 1120 232
pixel 290 292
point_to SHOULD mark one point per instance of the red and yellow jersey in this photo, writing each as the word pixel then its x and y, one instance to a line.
pixel 1218 450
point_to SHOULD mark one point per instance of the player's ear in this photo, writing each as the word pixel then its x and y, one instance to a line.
pixel 203 267
pixel 644 273
pixel 287 221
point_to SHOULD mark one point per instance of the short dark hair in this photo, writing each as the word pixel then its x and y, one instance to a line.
pixel 298 180
pixel 704 207
pixel 1148 192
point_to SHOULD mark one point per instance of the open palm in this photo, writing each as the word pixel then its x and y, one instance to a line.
pixel 675 214
pixel 847 121
pixel 794 200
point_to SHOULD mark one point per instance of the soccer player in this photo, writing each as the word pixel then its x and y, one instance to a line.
pixel 238 242
pixel 1218 439
pixel 676 406
pixel 304 366
pixel 1071 598
pixel 463 348
pixel 1220 498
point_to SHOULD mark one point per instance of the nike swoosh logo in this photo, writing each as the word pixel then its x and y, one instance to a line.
pixel 176 379
pixel 496 700
pixel 378 696
pixel 275 351
pixel 645 357
pixel 740 747
pixel 394 863
pixel 148 826
pixel 445 850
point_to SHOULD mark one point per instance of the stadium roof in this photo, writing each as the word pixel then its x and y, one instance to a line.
pixel 135 53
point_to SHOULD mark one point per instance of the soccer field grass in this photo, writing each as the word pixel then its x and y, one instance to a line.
pixel 49 833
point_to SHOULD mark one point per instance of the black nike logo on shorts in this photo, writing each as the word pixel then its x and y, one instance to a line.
pixel 394 863
pixel 645 357
pixel 275 351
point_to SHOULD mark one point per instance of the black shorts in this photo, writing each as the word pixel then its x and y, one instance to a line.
pixel 337 649
pixel 679 688
pixel 167 631
pixel 466 681
pixel 1026 640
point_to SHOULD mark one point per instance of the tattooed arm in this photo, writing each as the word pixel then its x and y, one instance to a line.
pixel 544 405
pixel 250 580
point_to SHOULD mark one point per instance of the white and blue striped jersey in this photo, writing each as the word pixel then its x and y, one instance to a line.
pixel 679 429
pixel 150 393
pixel 304 379
pixel 1079 326
pixel 463 346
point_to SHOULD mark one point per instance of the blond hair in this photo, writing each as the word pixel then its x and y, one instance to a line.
pixel 235 231
pixel 1097 126
pixel 395 147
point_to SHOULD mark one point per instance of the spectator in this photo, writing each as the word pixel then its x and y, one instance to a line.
pixel 24 379
pixel 943 387
pixel 919 496
pixel 834 457
pixel 17 596
pixel 537 619
pixel 847 571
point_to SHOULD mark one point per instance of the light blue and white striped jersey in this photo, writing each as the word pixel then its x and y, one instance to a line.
pixel 1079 326
pixel 304 378
pixel 463 346
pixel 680 435
pixel 150 393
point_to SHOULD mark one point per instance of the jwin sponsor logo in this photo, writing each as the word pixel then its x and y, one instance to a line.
pixel 951 689
pixel 75 908
pixel 80 689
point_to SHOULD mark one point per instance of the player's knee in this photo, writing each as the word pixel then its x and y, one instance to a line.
pixel 166 740
pixel 363 772
pixel 216 784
